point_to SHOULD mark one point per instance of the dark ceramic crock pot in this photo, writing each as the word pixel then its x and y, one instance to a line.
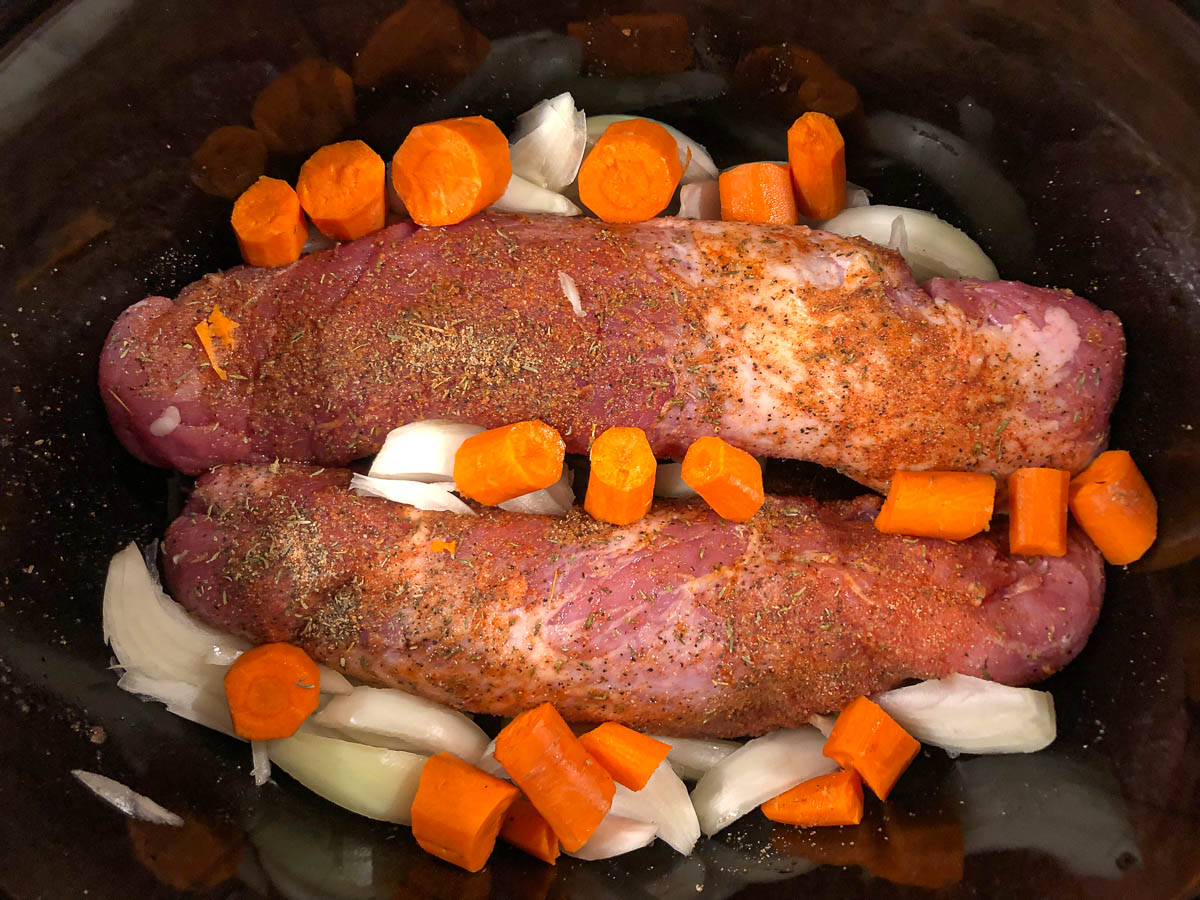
pixel 1090 110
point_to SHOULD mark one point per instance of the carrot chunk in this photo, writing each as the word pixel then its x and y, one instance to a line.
pixel 729 479
pixel 758 192
pixel 835 799
pixel 629 756
pixel 271 690
pixel 635 43
pixel 506 462
pixel 341 187
pixel 948 505
pixel 458 810
pixel 307 106
pixel 632 172
pixel 1113 503
pixel 447 171
pixel 269 223
pixel 526 828
pixel 561 779
pixel 621 482
pixel 868 740
pixel 220 326
pixel 1037 511
pixel 817 157
pixel 427 41
pixel 231 159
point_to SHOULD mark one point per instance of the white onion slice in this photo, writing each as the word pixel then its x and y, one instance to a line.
pixel 421 451
pixel 571 292
pixel 700 168
pixel 963 714
pixel 856 196
pixel 420 725
pixel 317 241
pixel 491 765
pixel 700 200
pixel 759 770
pixel 371 781
pixel 669 483
pixel 203 705
pixel 691 758
pixel 522 196
pixel 261 768
pixel 823 724
pixel 151 633
pixel 548 143
pixel 166 423
pixel 616 835
pixel 665 802
pixel 932 246
pixel 555 500
pixel 126 799
pixel 435 497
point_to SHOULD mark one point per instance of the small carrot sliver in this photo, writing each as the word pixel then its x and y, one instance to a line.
pixel 271 690
pixel 621 480
pixel 1114 505
pixel 629 756
pixel 447 171
pixel 458 811
pixel 558 775
pixel 758 192
pixel 341 187
pixel 1037 511
pixel 526 828
pixel 817 158
pixel 269 223
pixel 948 505
pixel 437 546
pixel 220 326
pixel 868 740
pixel 835 799
pixel 729 479
pixel 632 172
pixel 506 462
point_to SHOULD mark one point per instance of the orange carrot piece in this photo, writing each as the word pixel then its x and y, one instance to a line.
pixel 458 810
pixel 220 326
pixel 758 192
pixel 231 159
pixel 506 462
pixel 817 157
pixel 948 505
pixel 269 223
pixel 341 187
pixel 447 171
pixel 835 799
pixel 632 172
pixel 1113 503
pixel 868 740
pixel 561 779
pixel 271 690
pixel 621 481
pixel 307 106
pixel 525 827
pixel 629 756
pixel 436 546
pixel 1037 511
pixel 635 43
pixel 729 479
pixel 426 41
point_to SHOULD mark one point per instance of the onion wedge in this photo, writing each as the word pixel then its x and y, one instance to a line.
pixel 761 769
pixel 547 145
pixel 555 500
pixel 616 835
pixel 371 781
pixel 664 801
pixel 522 196
pixel 413 493
pixel 700 200
pixel 421 451
pixel 416 724
pixel 691 758
pixel 203 705
pixel 930 246
pixel 669 483
pixel 962 714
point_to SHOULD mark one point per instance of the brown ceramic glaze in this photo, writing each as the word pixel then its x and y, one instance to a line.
pixel 1090 111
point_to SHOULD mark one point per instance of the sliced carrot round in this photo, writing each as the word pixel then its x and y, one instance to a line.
pixel 621 482
pixel 758 192
pixel 729 479
pixel 506 462
pixel 269 223
pixel 341 187
pixel 271 690
pixel 632 172
pixel 817 157
pixel 447 171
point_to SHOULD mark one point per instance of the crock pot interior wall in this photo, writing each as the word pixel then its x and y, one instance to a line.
pixel 1096 118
